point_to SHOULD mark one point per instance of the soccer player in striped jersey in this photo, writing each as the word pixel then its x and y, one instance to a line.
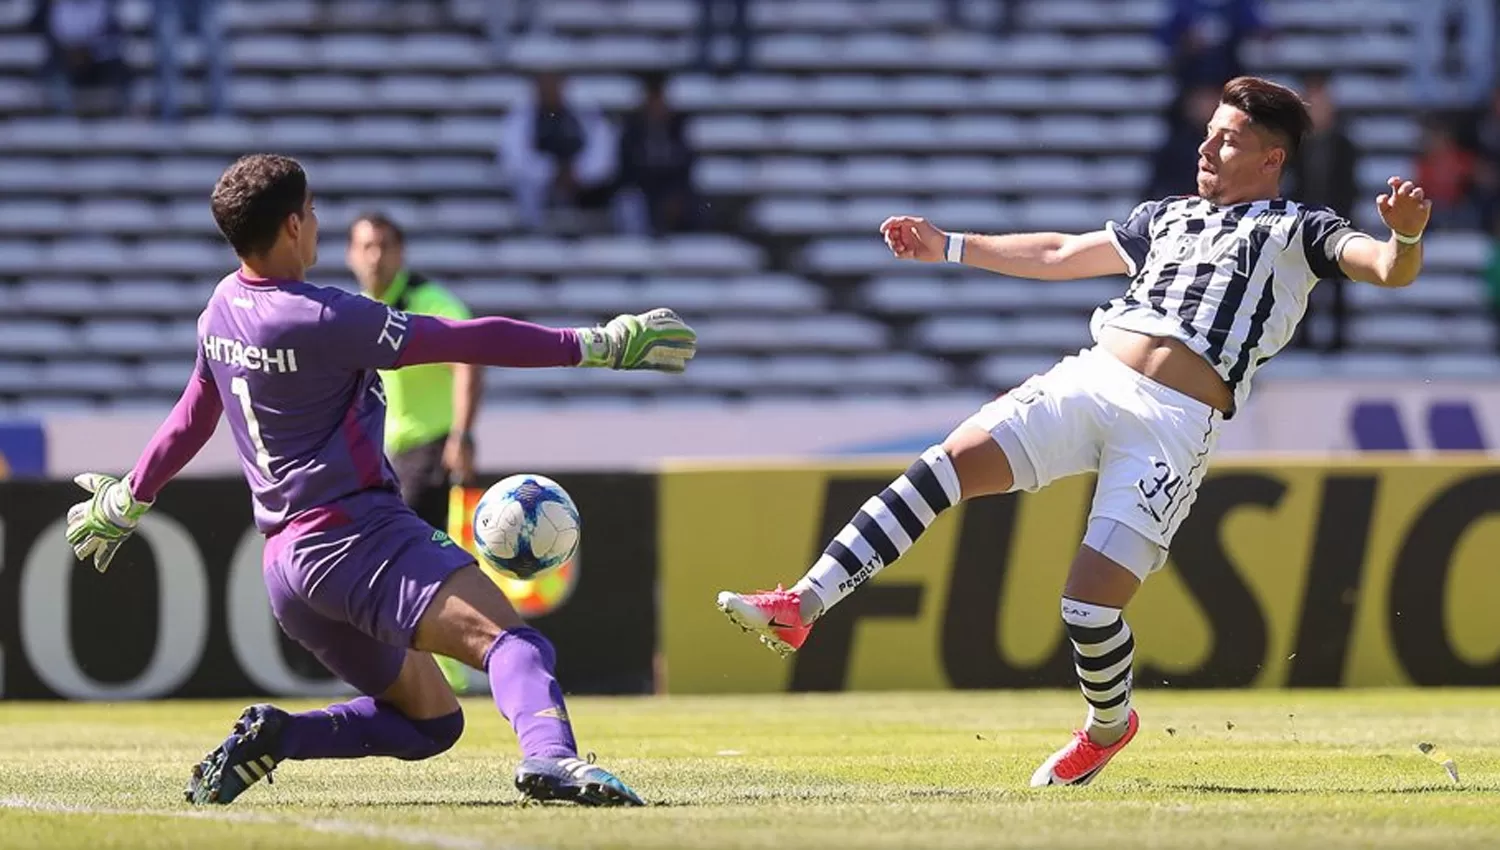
pixel 1218 283
pixel 353 575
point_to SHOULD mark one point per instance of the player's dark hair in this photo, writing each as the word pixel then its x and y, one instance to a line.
pixel 1272 107
pixel 382 221
pixel 253 199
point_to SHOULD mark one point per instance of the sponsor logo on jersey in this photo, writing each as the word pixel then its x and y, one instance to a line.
pixel 394 331
pixel 252 357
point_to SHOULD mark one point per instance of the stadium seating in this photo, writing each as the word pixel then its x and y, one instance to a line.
pixel 855 109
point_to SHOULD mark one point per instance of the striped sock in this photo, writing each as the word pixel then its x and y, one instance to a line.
pixel 1103 653
pixel 883 529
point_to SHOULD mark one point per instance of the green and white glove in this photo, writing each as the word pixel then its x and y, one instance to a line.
pixel 98 526
pixel 657 340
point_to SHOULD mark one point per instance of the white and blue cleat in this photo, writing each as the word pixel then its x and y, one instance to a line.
pixel 245 758
pixel 573 780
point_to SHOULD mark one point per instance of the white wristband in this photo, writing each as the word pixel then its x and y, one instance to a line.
pixel 1406 240
pixel 955 250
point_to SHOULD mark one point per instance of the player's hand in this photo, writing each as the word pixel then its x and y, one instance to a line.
pixel 657 340
pixel 458 459
pixel 1406 208
pixel 914 238
pixel 98 526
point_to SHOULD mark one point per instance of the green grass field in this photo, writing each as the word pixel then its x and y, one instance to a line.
pixel 1209 770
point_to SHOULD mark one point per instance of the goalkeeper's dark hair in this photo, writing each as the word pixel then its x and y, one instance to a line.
pixel 253 199
pixel 381 221
pixel 1273 108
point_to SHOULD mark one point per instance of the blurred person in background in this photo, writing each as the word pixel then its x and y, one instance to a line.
pixel 85 51
pixel 1492 276
pixel 430 409
pixel 505 20
pixel 656 167
pixel 1446 169
pixel 173 20
pixel 391 13
pixel 1003 15
pixel 1324 175
pixel 555 152
pixel 711 25
pixel 1453 51
pixel 1483 136
pixel 1206 38
pixel 1174 168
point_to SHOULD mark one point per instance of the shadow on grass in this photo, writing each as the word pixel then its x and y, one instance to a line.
pixel 825 796
pixel 1214 788
pixel 433 804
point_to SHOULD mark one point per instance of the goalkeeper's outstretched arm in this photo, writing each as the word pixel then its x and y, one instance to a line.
pixel 97 527
pixel 179 438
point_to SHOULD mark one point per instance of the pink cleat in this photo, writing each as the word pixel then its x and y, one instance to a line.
pixel 776 615
pixel 1082 759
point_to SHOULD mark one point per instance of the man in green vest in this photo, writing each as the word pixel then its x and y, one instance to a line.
pixel 430 409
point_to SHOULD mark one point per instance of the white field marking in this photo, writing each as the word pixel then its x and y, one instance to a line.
pixel 416 838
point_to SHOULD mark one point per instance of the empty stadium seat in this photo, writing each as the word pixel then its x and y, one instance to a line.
pixel 1484 366
pixel 504 297
pixel 36 338
pixel 156 297
pixel 18 377
pixel 95 377
pixel 848 256
pixel 167 377
pixel 834 332
pixel 46 297
pixel 137 337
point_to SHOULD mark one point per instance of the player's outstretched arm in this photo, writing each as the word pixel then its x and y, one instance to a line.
pixel 98 526
pixel 1039 256
pixel 1397 260
pixel 657 340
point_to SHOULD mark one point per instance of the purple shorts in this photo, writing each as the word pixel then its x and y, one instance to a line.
pixel 350 581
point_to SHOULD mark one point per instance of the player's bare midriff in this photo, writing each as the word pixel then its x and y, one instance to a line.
pixel 1169 362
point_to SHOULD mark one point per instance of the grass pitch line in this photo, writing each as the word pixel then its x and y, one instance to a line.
pixel 415 838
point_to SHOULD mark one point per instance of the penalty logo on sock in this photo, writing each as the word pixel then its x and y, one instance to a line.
pixel 870 568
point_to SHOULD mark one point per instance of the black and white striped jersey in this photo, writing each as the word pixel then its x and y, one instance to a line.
pixel 1231 282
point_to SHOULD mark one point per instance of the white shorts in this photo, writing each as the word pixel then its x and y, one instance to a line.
pixel 1149 443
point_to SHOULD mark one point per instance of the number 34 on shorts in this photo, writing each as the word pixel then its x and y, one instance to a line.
pixel 1159 491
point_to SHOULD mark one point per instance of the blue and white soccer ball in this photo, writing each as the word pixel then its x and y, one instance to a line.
pixel 525 525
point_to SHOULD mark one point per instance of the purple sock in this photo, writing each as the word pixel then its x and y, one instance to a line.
pixel 364 727
pixel 520 665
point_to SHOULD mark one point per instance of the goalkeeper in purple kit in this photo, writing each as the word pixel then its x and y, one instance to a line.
pixel 352 573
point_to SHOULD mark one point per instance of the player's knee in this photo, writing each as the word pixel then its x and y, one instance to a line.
pixel 1123 546
pixel 440 734
pixel 988 461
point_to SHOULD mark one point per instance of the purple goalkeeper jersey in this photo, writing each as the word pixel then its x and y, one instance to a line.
pixel 294 365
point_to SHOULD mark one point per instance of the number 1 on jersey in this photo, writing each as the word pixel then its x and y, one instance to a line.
pixel 241 389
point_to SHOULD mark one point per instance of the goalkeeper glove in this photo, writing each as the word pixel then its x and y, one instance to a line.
pixel 98 526
pixel 658 340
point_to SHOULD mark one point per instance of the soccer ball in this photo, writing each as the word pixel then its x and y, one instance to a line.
pixel 525 525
